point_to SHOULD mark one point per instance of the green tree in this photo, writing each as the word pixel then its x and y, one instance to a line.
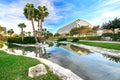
pixel 22 25
pixel 56 35
pixel 49 34
pixel 114 24
pixel 75 31
pixel 29 14
pixel 29 33
pixel 41 13
pixel 10 32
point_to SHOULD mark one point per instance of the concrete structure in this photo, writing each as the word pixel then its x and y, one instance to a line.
pixel 66 29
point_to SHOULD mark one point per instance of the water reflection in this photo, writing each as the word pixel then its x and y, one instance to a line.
pixel 93 66
pixel 79 50
pixel 111 58
pixel 74 48
pixel 37 51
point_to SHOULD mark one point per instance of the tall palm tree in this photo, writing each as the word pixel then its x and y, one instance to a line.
pixel 29 14
pixel 41 14
pixel 22 25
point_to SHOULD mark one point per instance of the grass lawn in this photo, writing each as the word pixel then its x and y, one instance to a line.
pixel 101 44
pixel 14 67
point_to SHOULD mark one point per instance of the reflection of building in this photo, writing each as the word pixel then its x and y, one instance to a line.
pixel 66 29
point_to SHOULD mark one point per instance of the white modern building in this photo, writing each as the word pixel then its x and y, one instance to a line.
pixel 79 22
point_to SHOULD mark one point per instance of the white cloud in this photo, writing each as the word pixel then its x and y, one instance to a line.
pixel 105 10
pixel 105 17
pixel 12 14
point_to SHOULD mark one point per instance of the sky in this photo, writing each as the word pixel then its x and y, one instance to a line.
pixel 61 12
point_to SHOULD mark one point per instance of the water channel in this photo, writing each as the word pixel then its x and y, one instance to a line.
pixel 87 65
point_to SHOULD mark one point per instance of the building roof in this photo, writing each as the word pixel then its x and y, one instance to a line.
pixel 66 29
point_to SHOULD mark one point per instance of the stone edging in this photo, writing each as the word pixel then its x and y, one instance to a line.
pixel 63 73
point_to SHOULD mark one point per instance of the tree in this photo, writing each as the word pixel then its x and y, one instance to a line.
pixel 41 14
pixel 29 33
pixel 29 14
pixel 75 31
pixel 114 24
pixel 49 34
pixel 22 25
pixel 85 30
pixel 95 29
pixel 10 32
pixel 56 35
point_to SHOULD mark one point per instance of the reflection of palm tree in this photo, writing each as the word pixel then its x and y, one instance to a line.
pixel 112 58
pixel 23 51
pixel 41 52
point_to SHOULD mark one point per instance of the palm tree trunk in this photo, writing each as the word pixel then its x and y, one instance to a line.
pixel 39 30
pixel 22 33
pixel 34 30
pixel 40 27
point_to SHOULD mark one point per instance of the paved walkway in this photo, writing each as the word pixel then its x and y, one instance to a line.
pixel 101 41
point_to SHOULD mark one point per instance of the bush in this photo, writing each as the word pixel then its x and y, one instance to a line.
pixel 107 34
pixel 62 39
pixel 14 40
pixel 27 40
pixel 114 37
pixel 75 39
pixel 90 38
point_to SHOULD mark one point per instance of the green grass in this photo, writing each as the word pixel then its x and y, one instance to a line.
pixel 101 44
pixel 14 67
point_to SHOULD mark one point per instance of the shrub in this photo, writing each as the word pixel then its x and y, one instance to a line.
pixel 90 38
pixel 14 40
pixel 114 37
pixel 62 39
pixel 75 39
pixel 27 40
pixel 107 34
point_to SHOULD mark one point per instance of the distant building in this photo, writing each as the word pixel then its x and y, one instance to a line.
pixel 3 30
pixel 66 29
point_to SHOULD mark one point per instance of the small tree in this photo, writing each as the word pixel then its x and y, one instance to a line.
pixel 56 35
pixel 22 25
pixel 75 31
pixel 10 32
pixel 29 33
pixel 95 29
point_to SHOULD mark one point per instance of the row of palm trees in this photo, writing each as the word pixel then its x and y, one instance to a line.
pixel 35 14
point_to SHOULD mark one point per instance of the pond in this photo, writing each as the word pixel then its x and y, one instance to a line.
pixel 87 65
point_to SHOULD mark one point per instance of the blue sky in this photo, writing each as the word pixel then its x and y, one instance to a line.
pixel 61 12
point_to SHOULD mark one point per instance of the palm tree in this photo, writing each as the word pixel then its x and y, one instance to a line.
pixel 10 32
pixel 29 33
pixel 29 14
pixel 22 25
pixel 41 14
